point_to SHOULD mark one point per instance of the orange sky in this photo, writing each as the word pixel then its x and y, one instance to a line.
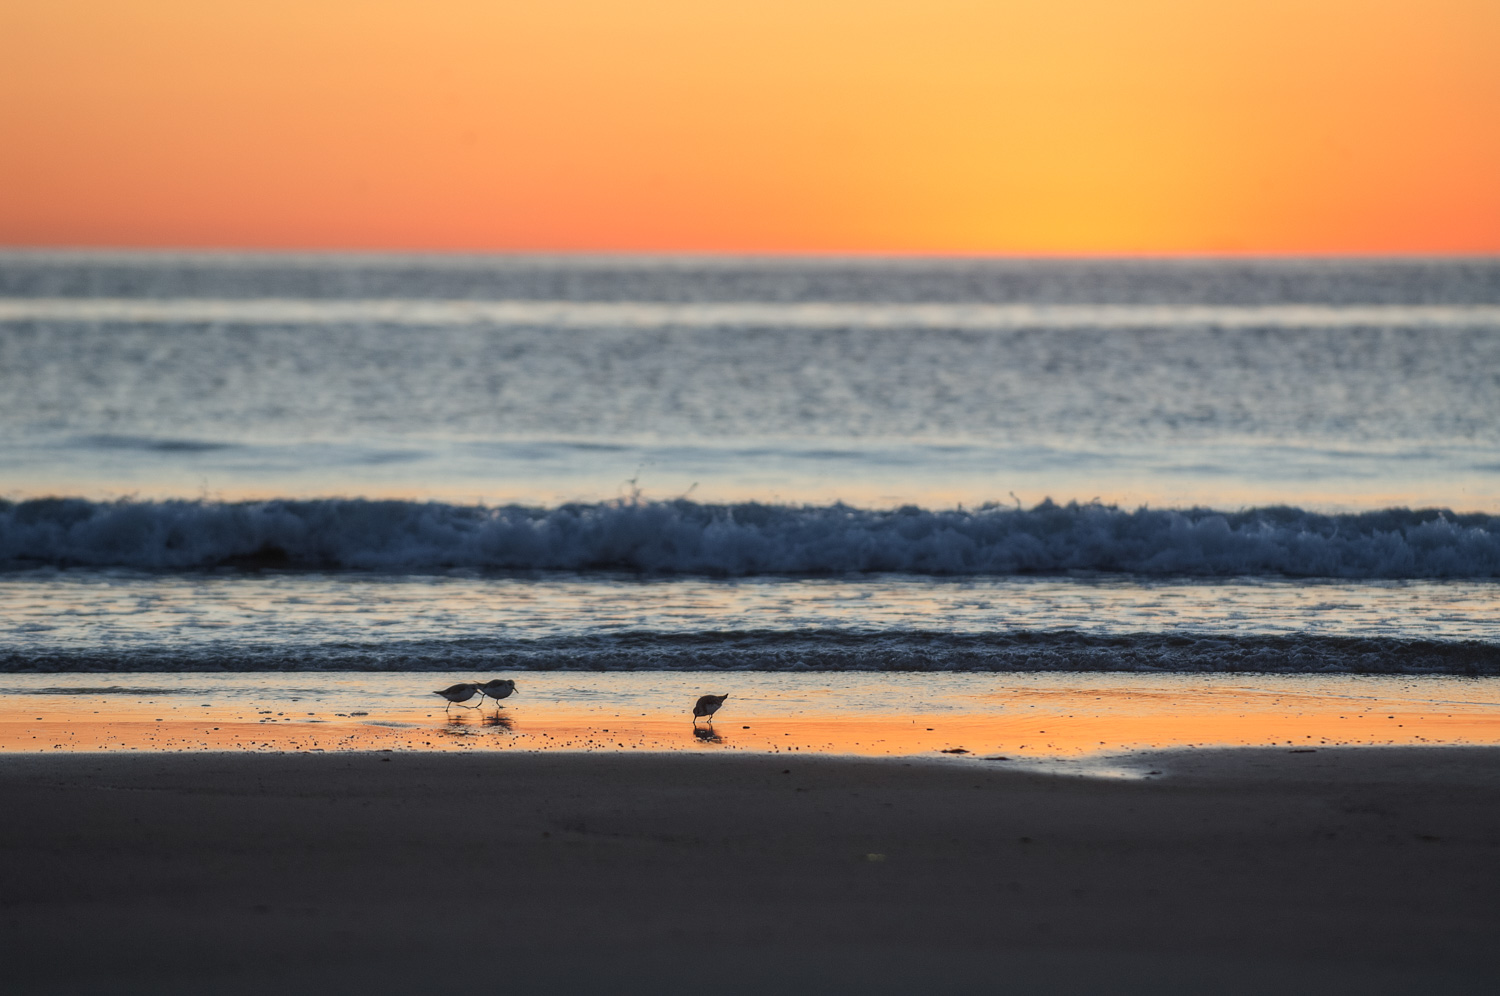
pixel 1007 126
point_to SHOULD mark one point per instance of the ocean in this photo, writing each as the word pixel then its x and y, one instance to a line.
pixel 368 463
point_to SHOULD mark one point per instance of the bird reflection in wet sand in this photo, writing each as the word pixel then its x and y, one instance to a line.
pixel 459 694
pixel 499 720
pixel 707 706
pixel 707 734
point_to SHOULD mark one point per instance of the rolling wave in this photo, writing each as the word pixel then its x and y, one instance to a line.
pixel 683 537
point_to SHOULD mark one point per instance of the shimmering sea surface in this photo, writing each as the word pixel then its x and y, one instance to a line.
pixel 242 464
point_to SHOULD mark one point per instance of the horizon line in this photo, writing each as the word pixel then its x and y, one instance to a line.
pixel 730 255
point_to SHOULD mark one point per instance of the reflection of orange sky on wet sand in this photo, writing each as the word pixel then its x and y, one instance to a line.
pixel 1068 723
pixel 803 125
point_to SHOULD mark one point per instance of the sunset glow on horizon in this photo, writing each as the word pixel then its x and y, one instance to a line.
pixel 951 126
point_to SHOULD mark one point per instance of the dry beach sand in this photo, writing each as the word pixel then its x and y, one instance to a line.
pixel 1370 870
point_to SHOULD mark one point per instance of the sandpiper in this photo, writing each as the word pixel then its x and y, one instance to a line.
pixel 461 692
pixel 707 706
pixel 498 689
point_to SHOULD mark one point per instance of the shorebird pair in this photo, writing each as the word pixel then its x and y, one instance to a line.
pixel 458 694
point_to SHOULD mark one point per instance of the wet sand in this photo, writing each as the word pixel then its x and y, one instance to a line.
pixel 1253 870
pixel 1021 716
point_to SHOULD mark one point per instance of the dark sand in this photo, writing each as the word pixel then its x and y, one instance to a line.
pixel 1368 870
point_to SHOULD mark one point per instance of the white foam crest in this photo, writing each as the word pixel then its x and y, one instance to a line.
pixel 749 539
pixel 816 315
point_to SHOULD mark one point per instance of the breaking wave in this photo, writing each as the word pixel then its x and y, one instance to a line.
pixel 685 537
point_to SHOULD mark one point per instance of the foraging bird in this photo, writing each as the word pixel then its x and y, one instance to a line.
pixel 707 706
pixel 498 689
pixel 461 692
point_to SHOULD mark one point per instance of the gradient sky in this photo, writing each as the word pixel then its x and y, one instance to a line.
pixel 1008 126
